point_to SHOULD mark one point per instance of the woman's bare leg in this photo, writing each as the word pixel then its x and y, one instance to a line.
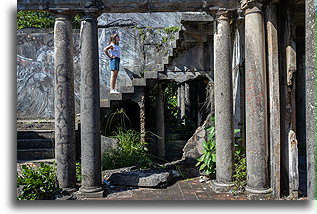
pixel 113 80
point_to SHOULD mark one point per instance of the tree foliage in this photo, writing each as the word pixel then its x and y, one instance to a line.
pixel 40 19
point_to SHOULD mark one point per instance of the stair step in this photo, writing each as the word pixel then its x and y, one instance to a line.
pixel 179 35
pixel 35 154
pixel 166 60
pixel 174 44
pixel 150 75
pixel 115 96
pixel 104 103
pixel 35 134
pixel 139 82
pixel 159 68
pixel 35 124
pixel 127 89
pixel 35 143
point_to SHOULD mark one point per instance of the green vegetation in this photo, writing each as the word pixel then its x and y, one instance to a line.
pixel 40 19
pixel 170 100
pixel 131 151
pixel 240 165
pixel 37 183
pixel 207 162
pixel 78 172
pixel 116 120
pixel 170 31
pixel 240 169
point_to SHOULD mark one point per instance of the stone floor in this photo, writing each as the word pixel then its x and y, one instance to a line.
pixel 189 189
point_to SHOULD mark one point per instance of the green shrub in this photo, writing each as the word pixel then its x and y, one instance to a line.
pixel 240 170
pixel 207 162
pixel 78 172
pixel 40 19
pixel 131 151
pixel 37 183
pixel 240 165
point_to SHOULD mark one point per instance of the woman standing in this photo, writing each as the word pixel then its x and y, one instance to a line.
pixel 114 56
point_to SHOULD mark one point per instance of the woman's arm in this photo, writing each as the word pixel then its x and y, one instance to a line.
pixel 107 49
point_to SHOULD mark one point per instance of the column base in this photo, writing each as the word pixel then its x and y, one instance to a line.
pixel 70 190
pixel 220 187
pixel 98 192
pixel 259 194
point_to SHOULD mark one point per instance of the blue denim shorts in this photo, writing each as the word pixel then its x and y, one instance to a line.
pixel 114 64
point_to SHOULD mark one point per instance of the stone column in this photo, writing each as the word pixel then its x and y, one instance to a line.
pixel 187 99
pixel 223 104
pixel 256 100
pixel 160 125
pixel 182 99
pixel 65 152
pixel 90 109
pixel 310 80
pixel 179 102
pixel 274 99
pixel 141 104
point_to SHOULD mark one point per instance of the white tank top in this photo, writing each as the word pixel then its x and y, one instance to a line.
pixel 116 50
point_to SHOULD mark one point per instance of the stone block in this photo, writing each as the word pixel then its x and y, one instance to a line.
pixel 143 178
pixel 108 144
pixel 150 75
pixel 193 148
pixel 139 82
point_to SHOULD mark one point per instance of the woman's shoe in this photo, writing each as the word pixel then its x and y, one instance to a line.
pixel 114 91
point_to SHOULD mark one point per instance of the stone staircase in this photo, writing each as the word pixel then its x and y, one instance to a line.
pixel 35 140
pixel 195 29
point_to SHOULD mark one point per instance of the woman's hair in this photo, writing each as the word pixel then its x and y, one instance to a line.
pixel 113 39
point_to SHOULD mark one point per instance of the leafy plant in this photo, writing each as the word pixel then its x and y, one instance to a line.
pixel 40 19
pixel 78 172
pixel 37 183
pixel 131 151
pixel 207 162
pixel 171 29
pixel 240 173
pixel 240 168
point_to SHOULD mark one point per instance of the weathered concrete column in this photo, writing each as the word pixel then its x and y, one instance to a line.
pixel 179 102
pixel 223 104
pixel 274 99
pixel 90 109
pixel 256 100
pixel 310 80
pixel 141 103
pixel 182 99
pixel 187 98
pixel 160 124
pixel 65 152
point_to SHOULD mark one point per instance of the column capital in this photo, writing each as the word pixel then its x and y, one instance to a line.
pixel 89 15
pixel 223 15
pixel 91 10
pixel 252 6
pixel 62 13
